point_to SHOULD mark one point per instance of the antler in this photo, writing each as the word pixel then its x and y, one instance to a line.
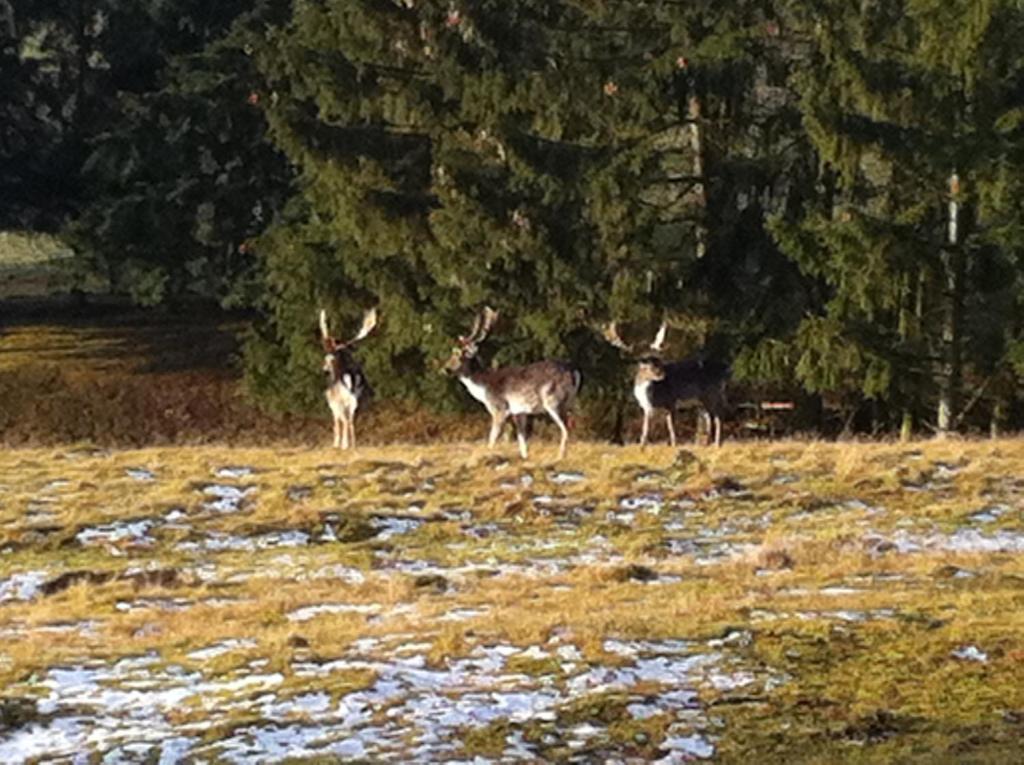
pixel 481 326
pixel 369 322
pixel 489 317
pixel 329 342
pixel 611 334
pixel 659 339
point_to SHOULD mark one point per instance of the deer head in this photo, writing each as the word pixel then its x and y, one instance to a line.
pixel 337 357
pixel 466 346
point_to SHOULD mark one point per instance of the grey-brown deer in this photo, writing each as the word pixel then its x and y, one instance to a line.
pixel 347 386
pixel 545 387
pixel 663 385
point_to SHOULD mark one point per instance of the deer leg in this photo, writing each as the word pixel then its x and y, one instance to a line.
pixel 553 411
pixel 645 428
pixel 344 432
pixel 337 432
pixel 718 430
pixel 497 423
pixel 522 422
pixel 352 429
pixel 671 428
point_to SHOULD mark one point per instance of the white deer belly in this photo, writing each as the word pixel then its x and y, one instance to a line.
pixel 523 403
pixel 341 400
pixel 642 392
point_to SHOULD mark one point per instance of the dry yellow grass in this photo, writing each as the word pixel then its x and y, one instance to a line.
pixel 805 550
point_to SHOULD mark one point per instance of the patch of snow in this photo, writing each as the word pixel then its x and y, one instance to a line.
pixel 391 526
pixel 292 538
pixel 989 514
pixel 946 470
pixel 234 471
pixel 970 653
pixel 649 502
pixel 84 627
pixel 643 711
pixel 217 541
pixel 23 586
pixel 306 613
pixel 722 681
pixel 164 604
pixel 130 532
pixel 839 590
pixel 461 614
pixel 336 571
pixel 227 499
pixel 568 476
pixel 689 747
pixel 221 648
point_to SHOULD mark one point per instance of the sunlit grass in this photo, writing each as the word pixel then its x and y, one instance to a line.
pixel 861 636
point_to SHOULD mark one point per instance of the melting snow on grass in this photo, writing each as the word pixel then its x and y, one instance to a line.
pixel 126 532
pixel 226 498
pixel 24 586
pixel 410 711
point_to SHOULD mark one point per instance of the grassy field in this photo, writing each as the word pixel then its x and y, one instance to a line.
pixel 120 377
pixel 35 265
pixel 763 602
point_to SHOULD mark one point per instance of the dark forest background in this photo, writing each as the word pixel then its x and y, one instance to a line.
pixel 826 194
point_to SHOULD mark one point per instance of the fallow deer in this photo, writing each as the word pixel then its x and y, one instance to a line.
pixel 347 386
pixel 517 392
pixel 661 385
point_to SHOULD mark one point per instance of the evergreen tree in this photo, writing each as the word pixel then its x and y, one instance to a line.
pixel 53 72
pixel 567 163
pixel 181 177
pixel 910 105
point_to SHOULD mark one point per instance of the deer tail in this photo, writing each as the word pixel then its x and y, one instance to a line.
pixel 577 380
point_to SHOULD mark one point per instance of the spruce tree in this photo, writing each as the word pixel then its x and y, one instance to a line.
pixel 907 103
pixel 181 178
pixel 567 163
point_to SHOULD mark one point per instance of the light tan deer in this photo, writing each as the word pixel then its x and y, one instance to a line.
pixel 545 387
pixel 347 386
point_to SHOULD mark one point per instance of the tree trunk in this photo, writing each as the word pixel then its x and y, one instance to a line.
pixel 954 267
pixel 952 320
pixel 995 429
pixel 693 114
pixel 908 328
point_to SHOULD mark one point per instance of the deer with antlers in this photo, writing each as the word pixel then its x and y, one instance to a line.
pixel 661 385
pixel 545 387
pixel 347 386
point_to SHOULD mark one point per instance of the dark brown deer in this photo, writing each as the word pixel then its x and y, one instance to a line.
pixel 663 385
pixel 347 386
pixel 545 387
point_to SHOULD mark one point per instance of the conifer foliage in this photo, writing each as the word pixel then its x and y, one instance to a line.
pixel 914 109
pixel 825 194
pixel 565 162
pixel 180 177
